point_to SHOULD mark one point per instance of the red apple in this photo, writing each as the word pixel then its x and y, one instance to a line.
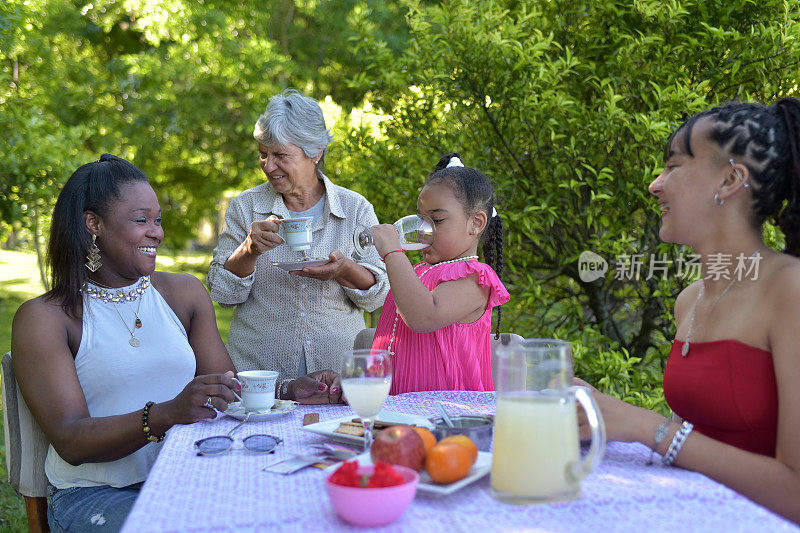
pixel 399 445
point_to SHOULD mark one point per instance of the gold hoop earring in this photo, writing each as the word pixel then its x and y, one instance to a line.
pixel 93 257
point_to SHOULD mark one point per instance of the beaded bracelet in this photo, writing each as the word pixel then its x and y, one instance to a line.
pixel 383 258
pixel 146 425
pixel 677 443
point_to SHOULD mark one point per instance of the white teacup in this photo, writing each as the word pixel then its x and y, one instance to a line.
pixel 297 232
pixel 258 389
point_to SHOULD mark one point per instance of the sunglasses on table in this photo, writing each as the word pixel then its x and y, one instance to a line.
pixel 259 443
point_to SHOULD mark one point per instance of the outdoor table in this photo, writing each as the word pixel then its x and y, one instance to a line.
pixel 231 492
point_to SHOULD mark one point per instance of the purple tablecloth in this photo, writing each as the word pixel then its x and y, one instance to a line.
pixel 230 492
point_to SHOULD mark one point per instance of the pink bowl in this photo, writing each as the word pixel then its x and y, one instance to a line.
pixel 371 507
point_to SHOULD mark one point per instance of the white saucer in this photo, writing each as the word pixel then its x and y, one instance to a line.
pixel 280 408
pixel 328 427
pixel 300 265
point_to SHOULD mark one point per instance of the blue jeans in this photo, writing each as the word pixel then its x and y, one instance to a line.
pixel 92 509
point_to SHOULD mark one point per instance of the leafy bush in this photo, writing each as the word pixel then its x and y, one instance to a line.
pixel 567 106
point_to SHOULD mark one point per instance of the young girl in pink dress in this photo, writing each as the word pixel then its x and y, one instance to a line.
pixel 436 320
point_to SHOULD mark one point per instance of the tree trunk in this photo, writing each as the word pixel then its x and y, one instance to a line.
pixel 287 16
pixel 38 247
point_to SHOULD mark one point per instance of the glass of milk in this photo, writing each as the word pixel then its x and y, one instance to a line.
pixel 366 380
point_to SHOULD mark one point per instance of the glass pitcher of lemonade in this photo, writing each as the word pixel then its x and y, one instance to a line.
pixel 536 455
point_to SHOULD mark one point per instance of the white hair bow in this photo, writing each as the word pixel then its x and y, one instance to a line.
pixel 454 162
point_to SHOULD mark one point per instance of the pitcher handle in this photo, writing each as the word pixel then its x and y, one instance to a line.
pixel 580 469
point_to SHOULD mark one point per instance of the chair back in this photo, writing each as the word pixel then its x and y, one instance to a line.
pixel 504 340
pixel 26 445
pixel 364 338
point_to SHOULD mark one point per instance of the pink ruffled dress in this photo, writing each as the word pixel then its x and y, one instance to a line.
pixel 456 357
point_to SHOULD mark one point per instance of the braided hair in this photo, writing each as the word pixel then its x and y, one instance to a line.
pixel 92 187
pixel 767 140
pixel 475 193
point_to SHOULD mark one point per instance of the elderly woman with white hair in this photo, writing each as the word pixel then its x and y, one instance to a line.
pixel 294 321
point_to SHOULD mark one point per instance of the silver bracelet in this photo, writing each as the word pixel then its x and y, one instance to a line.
pixel 660 435
pixel 284 389
pixel 677 443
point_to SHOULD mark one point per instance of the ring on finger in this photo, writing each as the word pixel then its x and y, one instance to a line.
pixel 208 403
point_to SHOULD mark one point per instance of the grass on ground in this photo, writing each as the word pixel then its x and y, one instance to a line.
pixel 19 281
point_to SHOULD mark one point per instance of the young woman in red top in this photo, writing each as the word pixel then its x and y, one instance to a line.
pixel 733 374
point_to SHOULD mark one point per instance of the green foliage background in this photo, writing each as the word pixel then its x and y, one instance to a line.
pixel 566 105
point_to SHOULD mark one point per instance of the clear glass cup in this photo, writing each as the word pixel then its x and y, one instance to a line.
pixel 366 379
pixel 414 231
pixel 536 455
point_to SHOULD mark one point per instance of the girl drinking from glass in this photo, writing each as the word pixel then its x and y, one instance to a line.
pixel 436 320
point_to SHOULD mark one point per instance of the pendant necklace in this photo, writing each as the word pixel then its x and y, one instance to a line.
pixel 692 330
pixel 133 341
pixel 115 296
pixel 397 315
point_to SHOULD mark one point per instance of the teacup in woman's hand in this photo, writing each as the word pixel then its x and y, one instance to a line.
pixel 258 389
pixel 297 233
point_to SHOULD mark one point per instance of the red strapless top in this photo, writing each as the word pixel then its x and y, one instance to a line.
pixel 727 389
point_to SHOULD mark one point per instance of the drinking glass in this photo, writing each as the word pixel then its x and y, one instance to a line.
pixel 536 455
pixel 366 378
pixel 414 231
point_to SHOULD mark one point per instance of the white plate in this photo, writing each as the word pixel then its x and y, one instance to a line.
pixel 280 408
pixel 328 427
pixel 300 265
pixel 482 466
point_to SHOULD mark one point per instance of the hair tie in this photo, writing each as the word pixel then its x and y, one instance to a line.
pixel 454 162
pixel 494 212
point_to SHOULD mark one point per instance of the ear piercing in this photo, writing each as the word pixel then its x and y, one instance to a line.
pixel 738 173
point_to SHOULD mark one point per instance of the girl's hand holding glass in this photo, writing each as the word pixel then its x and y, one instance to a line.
pixel 385 239
pixel 415 232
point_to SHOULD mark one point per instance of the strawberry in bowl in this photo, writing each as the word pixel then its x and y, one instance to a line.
pixel 371 495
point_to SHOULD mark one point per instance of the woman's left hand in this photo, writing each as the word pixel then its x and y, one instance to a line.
pixel 322 387
pixel 330 270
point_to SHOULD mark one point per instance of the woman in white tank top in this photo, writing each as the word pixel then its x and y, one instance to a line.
pixel 116 353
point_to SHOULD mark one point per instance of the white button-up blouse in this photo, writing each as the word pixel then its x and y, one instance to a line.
pixel 278 317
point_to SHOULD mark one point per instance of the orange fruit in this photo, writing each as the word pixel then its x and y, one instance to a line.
pixel 448 462
pixel 466 442
pixel 427 437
